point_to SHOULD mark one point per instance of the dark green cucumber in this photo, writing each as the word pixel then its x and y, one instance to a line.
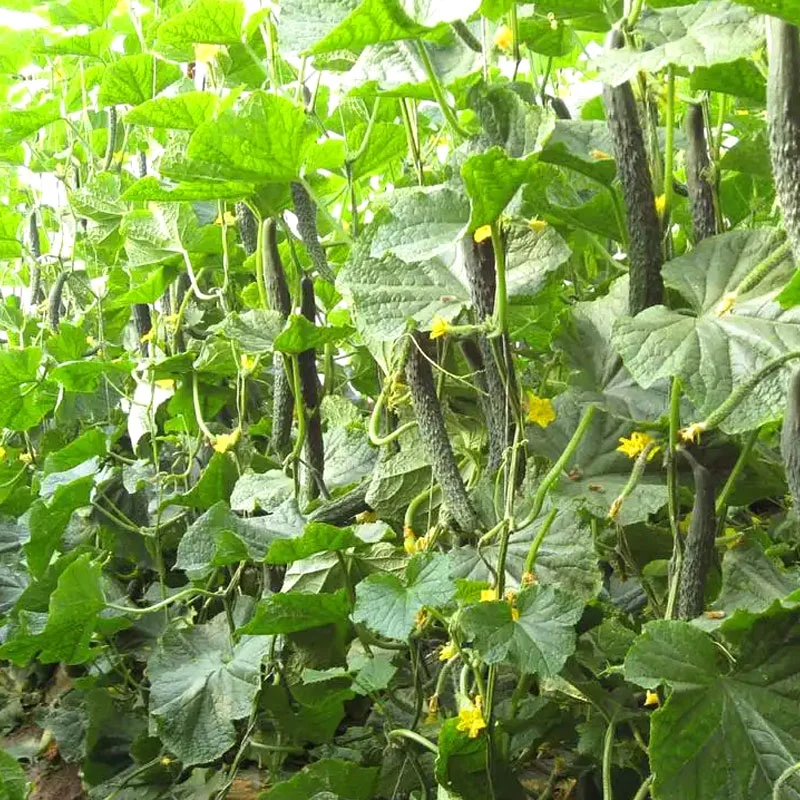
pixel 112 138
pixel 790 439
pixel 559 107
pixel 433 434
pixel 343 509
pixel 248 228
pixel 699 545
pixel 143 323
pixel 142 166
pixel 306 212
pixel 280 301
pixel 467 36
pixel 54 300
pixel 783 118
pixel 644 230
pixel 701 192
pixel 481 276
pixel 309 389
pixel 36 251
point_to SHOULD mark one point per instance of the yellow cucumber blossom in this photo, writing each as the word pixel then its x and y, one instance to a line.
pixel 206 53
pixel 470 719
pixel 2 453
pixel 25 458
pixel 692 433
pixel 224 441
pixel 637 442
pixel 488 595
pixel 448 651
pixel 365 517
pixel 537 225
pixel 439 327
pixel 661 204
pixel 165 383
pixel 482 233
pixel 503 37
pixel 600 155
pixel 540 410
pixel 247 363
pixel 651 698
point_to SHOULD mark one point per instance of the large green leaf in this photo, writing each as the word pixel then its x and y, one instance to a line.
pixel 134 79
pixel 389 605
pixel 13 784
pixel 264 141
pixel 697 35
pixel 717 343
pixel 305 22
pixel 725 730
pixel 200 684
pixel 186 111
pixel 16 124
pixel 205 21
pixel 328 778
pixel 291 612
pixel 787 9
pixel 538 642
pixel 317 537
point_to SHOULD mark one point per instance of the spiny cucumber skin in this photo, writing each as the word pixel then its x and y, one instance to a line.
pixel 280 301
pixel 433 433
pixel 54 300
pixel 306 213
pixel 480 269
pixel 701 192
pixel 644 230
pixel 699 546
pixel 309 388
pixel 248 228
pixel 343 509
pixel 36 252
pixel 783 117
pixel 790 439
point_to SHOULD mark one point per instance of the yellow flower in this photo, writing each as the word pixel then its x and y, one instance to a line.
pixel 599 155
pixel 651 699
pixel 433 705
pixel 471 720
pixel 228 219
pixel 149 336
pixel 25 458
pixel 409 540
pixel 171 321
pixel 537 225
pixel 661 204
pixel 90 341
pixel 166 383
pixel 247 363
pixel 421 619
pixel 692 433
pixel 225 441
pixel 553 21
pixel 633 446
pixel 487 595
pixel 514 613
pixel 726 304
pixel 503 37
pixel 448 651
pixel 2 453
pixel 366 516
pixel 165 761
pixel 483 233
pixel 206 53
pixel 439 327
pixel 540 410
pixel 528 579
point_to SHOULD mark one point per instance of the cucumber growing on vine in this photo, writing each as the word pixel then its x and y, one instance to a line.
pixel 790 439
pixel 309 388
pixel 54 300
pixel 698 165
pixel 306 212
pixel 783 117
pixel 433 433
pixel 280 301
pixel 34 243
pixel 644 230
pixel 248 228
pixel 699 544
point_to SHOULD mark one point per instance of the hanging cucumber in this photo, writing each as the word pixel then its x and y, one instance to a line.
pixel 433 433
pixel 343 509
pixel 698 165
pixel 790 439
pixel 644 230
pixel 248 228
pixel 309 389
pixel 280 301
pixel 783 118
pixel 54 300
pixel 306 212
pixel 699 544
pixel 35 245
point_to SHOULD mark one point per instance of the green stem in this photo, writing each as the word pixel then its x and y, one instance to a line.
pixel 722 499
pixel 414 505
pixel 198 411
pixel 644 789
pixel 370 125
pixel 784 776
pixel 672 493
pixel 759 271
pixel 501 295
pixel 374 422
pixel 405 733
pixel 262 288
pixel 608 749
pixel 438 92
pixel 635 12
pixel 633 480
pixel 530 559
pixel 557 468
pixel 192 592
pixel 669 147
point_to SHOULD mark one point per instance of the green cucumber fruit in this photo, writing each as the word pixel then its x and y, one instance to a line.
pixel 701 191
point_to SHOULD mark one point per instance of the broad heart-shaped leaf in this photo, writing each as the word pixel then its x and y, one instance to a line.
pixel 305 22
pixel 581 145
pixel 423 223
pixel 215 484
pixel 185 111
pixel 328 777
pixel 387 294
pixel 389 605
pixel 697 35
pixel 386 143
pixel 719 343
pixel 372 21
pixel 263 491
pixel 264 141
pixel 13 783
pixel 204 22
pixel 151 188
pixel 300 334
pixel 539 642
pixel 787 9
pixel 90 12
pixel 254 331
pixel 16 124
pixel 24 403
pixel 317 537
pixel 597 374
pixel 291 612
pixel 597 473
pixel 200 685
pixel 566 556
pixel 724 731
pixel 10 246
pixel 134 79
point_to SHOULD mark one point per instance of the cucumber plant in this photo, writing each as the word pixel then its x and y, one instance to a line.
pixel 400 399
